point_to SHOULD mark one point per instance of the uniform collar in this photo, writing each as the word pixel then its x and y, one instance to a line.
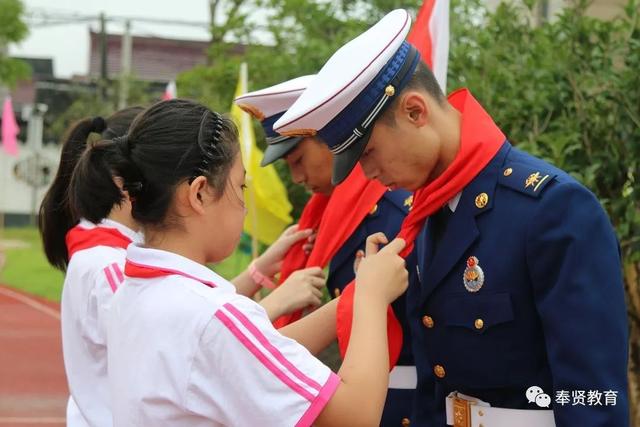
pixel 134 236
pixel 163 263
pixel 453 203
pixel 472 114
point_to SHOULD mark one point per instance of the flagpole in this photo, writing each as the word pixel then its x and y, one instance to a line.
pixel 246 140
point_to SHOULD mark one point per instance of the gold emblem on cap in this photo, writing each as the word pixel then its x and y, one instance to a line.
pixel 389 90
pixel 481 200
pixel 299 132
pixel 508 171
pixel 254 111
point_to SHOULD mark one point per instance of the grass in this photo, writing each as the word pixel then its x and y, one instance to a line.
pixel 26 267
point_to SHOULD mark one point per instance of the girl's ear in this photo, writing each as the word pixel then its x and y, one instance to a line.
pixel 195 193
pixel 119 182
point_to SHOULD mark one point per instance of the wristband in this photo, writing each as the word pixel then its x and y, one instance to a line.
pixel 259 278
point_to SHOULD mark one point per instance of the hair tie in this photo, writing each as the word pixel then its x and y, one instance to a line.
pixel 98 124
pixel 133 188
pixel 123 143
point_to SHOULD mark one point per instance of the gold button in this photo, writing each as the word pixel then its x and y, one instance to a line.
pixel 406 422
pixel 374 209
pixel 336 292
pixel 439 371
pixel 480 413
pixel 389 90
pixel 479 323
pixel 508 171
pixel 481 200
pixel 427 321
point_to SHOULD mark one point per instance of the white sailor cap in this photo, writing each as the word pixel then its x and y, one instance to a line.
pixel 352 89
pixel 268 105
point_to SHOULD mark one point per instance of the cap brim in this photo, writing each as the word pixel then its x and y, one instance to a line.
pixel 344 162
pixel 279 150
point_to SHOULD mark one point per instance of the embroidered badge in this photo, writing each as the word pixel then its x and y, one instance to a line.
pixel 535 180
pixel 473 275
pixel 532 180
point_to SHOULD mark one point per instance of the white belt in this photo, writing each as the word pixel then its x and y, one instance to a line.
pixel 403 377
pixel 467 411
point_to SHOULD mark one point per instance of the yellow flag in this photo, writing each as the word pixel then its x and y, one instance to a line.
pixel 268 208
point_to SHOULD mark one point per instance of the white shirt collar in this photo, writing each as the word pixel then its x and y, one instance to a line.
pixel 453 203
pixel 172 262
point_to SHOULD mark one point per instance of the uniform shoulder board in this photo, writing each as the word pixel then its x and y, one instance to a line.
pixel 403 200
pixel 525 178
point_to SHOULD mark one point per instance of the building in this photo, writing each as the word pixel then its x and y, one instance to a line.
pixel 605 9
pixel 153 59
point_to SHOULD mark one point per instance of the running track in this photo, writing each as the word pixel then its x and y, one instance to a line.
pixel 33 386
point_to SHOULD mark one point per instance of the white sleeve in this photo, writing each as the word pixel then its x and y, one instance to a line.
pixel 245 373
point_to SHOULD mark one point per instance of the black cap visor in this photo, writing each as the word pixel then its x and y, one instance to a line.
pixel 344 162
pixel 278 150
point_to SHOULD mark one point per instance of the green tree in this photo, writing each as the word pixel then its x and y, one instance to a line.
pixel 12 30
pixel 567 91
pixel 293 38
pixel 88 101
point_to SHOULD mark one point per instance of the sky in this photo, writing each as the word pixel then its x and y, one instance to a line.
pixel 68 44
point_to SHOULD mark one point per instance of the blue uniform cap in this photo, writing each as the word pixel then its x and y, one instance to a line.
pixel 268 105
pixel 352 89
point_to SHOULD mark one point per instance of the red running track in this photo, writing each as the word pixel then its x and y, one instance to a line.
pixel 33 386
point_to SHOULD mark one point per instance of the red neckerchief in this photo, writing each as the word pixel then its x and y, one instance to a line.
pixel 79 238
pixel 326 214
pixel 133 269
pixel 480 140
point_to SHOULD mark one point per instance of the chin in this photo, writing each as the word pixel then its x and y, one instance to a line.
pixel 325 191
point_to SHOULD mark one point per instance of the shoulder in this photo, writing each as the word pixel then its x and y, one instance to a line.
pixel 401 200
pixel 97 265
pixel 535 178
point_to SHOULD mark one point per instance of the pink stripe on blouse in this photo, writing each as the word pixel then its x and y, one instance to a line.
pixel 110 279
pixel 272 349
pixel 327 392
pixel 261 357
pixel 119 274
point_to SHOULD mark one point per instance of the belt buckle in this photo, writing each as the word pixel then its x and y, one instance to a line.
pixel 461 412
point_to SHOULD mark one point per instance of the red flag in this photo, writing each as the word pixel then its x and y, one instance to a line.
pixel 430 35
pixel 10 129
pixel 171 91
